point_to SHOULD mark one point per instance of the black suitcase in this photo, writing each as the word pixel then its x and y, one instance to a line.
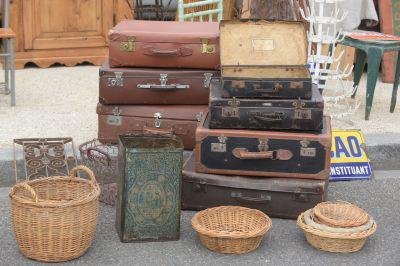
pixel 281 114
pixel 264 59
pixel 295 154
pixel 277 197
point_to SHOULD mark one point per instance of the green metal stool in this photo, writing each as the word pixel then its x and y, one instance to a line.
pixel 373 49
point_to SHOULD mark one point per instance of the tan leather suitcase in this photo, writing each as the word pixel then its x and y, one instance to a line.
pixel 139 43
pixel 180 120
pixel 154 85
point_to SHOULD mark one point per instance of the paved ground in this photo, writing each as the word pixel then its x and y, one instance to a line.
pixel 61 101
pixel 283 245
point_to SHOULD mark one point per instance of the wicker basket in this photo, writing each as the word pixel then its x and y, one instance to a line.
pixel 54 218
pixel 231 229
pixel 334 242
pixel 340 213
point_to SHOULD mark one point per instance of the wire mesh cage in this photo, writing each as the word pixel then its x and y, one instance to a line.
pixel 103 160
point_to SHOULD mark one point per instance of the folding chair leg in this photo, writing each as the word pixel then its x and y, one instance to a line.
pixel 6 70
pixel 12 72
pixel 395 85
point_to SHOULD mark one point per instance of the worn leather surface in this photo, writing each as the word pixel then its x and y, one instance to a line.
pixel 181 120
pixel 164 44
pixel 127 88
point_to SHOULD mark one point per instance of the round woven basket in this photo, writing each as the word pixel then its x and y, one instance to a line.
pixel 231 229
pixel 334 242
pixel 54 218
pixel 340 213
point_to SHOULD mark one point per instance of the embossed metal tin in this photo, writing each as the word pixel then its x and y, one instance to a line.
pixel 148 205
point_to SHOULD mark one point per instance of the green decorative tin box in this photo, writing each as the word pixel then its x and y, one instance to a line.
pixel 150 169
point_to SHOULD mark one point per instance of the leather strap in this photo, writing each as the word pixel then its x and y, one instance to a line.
pixel 179 52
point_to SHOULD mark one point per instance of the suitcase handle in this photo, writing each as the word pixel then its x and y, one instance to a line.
pixel 244 154
pixel 152 51
pixel 240 197
pixel 163 131
pixel 163 87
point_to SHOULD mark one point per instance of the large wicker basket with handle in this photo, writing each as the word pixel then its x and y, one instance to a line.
pixel 231 229
pixel 54 218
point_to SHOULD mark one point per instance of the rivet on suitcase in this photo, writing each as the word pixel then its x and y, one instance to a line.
pixel 295 154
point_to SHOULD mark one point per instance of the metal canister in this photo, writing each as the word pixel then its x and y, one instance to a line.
pixel 150 169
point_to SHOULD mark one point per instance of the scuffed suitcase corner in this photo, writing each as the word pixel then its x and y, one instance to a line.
pixel 326 139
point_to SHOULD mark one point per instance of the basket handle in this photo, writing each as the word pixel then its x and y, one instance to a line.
pixel 27 188
pixel 85 169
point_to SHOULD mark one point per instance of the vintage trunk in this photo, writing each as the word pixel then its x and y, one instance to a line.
pixel 139 43
pixel 257 113
pixel 264 59
pixel 269 9
pixel 148 206
pixel 296 154
pixel 154 85
pixel 277 197
pixel 180 120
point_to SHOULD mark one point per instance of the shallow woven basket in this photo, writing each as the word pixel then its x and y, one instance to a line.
pixel 54 218
pixel 231 229
pixel 334 242
pixel 340 213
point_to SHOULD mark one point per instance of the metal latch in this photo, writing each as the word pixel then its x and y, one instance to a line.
pixel 163 79
pixel 157 121
pixel 207 80
pixel 263 144
pixel 220 146
pixel 115 119
pixel 118 81
pixel 206 47
pixel 233 110
pixel 198 116
pixel 128 46
pixel 305 151
pixel 299 112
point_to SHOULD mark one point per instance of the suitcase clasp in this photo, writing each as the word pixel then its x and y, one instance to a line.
pixel 299 112
pixel 305 151
pixel 233 110
pixel 157 121
pixel 207 80
pixel 221 146
pixel 128 46
pixel 206 47
pixel 117 81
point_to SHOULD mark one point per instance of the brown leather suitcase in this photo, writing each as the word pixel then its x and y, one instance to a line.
pixel 294 154
pixel 277 197
pixel 265 59
pixel 139 43
pixel 180 120
pixel 154 85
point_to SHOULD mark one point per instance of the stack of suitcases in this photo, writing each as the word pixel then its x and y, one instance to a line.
pixel 265 143
pixel 157 78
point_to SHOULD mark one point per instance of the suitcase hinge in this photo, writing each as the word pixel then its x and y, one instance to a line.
pixel 207 80
pixel 128 46
pixel 221 146
pixel 157 120
pixel 305 151
pixel 117 81
pixel 115 119
pixel 233 110
pixel 206 47
pixel 299 112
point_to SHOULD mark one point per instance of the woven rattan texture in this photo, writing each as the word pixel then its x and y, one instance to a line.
pixel 54 218
pixel 231 229
pixel 340 213
pixel 334 242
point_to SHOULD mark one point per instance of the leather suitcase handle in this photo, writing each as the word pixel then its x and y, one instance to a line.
pixel 240 197
pixel 152 51
pixel 163 87
pixel 277 87
pixel 271 117
pixel 165 131
pixel 244 154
